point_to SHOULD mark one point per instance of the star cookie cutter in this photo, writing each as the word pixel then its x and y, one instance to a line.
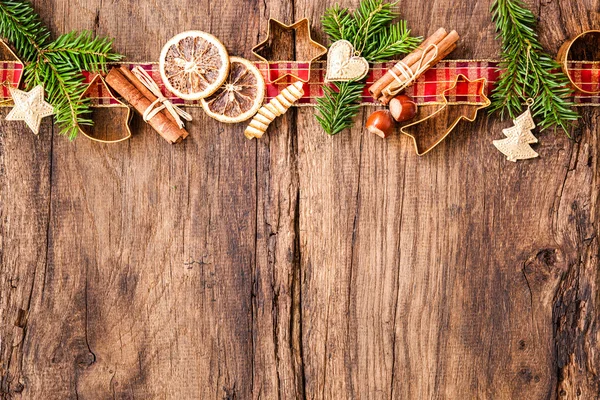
pixel 411 129
pixel 98 88
pixel 306 50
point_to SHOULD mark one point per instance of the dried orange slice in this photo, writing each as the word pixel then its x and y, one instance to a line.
pixel 240 97
pixel 193 65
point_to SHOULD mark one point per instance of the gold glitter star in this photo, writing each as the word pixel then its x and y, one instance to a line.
pixel 30 107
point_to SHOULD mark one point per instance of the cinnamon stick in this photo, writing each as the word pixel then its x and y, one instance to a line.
pixel 445 47
pixel 147 93
pixel 385 98
pixel 128 86
pixel 412 58
pixel 445 43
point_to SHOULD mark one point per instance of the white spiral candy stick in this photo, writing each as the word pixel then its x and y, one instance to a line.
pixel 273 109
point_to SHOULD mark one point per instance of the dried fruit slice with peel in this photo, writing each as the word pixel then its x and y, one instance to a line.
pixel 193 65
pixel 241 95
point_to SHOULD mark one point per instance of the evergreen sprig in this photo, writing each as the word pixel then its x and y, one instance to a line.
pixel 58 64
pixel 341 106
pixel 370 30
pixel 391 41
pixel 527 71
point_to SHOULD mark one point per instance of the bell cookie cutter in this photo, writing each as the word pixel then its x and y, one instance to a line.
pixel 484 103
pixel 106 99
pixel 306 50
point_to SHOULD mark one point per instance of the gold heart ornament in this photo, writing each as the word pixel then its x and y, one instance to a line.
pixel 343 65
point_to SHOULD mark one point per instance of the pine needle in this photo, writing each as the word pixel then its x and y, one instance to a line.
pixel 527 71
pixel 56 65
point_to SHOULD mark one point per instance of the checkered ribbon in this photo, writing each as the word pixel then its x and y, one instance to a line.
pixel 11 73
pixel 426 90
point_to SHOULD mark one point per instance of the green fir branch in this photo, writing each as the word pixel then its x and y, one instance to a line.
pixel 371 17
pixel 338 23
pixel 390 42
pixel 21 26
pixel 370 30
pixel 527 71
pixel 57 65
pixel 338 107
pixel 82 51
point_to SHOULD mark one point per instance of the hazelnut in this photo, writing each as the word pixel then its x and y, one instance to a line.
pixel 403 108
pixel 381 123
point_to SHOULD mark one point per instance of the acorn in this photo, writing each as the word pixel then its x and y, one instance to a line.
pixel 381 123
pixel 403 108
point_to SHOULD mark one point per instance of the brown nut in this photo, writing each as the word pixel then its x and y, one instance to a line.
pixel 403 108
pixel 381 123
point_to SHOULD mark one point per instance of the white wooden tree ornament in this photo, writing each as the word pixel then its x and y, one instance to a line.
pixel 516 146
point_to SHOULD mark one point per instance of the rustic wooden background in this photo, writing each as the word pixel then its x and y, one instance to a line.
pixel 300 265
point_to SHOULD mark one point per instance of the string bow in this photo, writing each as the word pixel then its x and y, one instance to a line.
pixel 409 76
pixel 165 103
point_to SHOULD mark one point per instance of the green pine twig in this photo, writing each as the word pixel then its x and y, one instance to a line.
pixel 81 51
pixel 56 65
pixel 527 71
pixel 337 108
pixel 22 27
pixel 338 23
pixel 371 17
pixel 391 41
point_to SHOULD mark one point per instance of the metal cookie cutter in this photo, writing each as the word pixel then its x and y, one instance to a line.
pixel 278 39
pixel 591 42
pixel 106 99
pixel 415 129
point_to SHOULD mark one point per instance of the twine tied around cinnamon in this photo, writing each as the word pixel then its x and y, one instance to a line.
pixel 409 76
pixel 165 104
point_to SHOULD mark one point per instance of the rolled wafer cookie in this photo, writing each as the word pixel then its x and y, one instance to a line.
pixel 273 109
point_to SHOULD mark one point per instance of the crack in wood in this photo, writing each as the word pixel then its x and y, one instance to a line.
pixel 292 330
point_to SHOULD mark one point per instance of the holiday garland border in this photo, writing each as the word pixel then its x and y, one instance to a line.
pixel 426 90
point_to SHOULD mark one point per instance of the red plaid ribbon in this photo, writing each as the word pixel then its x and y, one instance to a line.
pixel 586 76
pixel 12 72
pixel 426 90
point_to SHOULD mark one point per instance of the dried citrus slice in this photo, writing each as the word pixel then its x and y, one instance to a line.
pixel 240 97
pixel 193 65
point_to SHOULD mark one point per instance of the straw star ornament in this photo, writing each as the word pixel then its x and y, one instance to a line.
pixel 30 107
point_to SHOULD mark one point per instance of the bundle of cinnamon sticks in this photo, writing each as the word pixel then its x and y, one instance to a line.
pixel 436 48
pixel 124 82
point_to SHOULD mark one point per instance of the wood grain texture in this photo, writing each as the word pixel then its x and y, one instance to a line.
pixel 298 265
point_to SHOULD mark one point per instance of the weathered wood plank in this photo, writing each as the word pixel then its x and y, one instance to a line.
pixel 147 292
pixel 417 273
pixel 24 213
pixel 301 265
pixel 278 362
